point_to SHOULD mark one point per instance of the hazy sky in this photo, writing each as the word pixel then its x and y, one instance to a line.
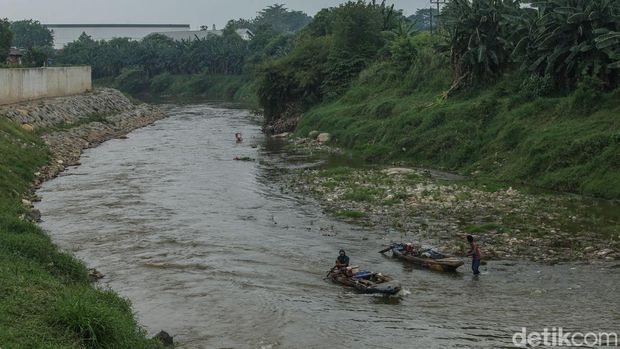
pixel 194 12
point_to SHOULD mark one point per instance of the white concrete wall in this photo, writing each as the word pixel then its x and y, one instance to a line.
pixel 18 85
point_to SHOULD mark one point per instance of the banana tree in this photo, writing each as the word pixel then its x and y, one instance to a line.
pixel 479 43
pixel 571 39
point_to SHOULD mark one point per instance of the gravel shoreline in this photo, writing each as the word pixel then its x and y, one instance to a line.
pixel 440 209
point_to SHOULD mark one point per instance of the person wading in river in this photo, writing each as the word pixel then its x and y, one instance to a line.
pixel 475 254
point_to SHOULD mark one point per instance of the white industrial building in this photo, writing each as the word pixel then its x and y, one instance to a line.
pixel 66 33
pixel 191 35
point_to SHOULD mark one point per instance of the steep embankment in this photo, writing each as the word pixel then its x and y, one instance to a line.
pixel 510 131
pixel 47 299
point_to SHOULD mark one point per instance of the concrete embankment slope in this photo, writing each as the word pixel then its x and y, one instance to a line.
pixel 70 124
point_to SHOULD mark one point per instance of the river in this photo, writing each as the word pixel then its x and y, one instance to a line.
pixel 213 251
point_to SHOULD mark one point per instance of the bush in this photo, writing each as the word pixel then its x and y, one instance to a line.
pixel 161 84
pixel 535 86
pixel 133 81
pixel 587 96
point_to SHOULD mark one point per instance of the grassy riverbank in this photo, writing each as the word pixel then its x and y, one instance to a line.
pixel 506 131
pixel 47 299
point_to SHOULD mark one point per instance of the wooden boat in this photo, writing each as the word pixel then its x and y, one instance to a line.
pixel 433 260
pixel 366 281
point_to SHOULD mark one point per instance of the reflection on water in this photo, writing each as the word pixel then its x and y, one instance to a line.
pixel 211 250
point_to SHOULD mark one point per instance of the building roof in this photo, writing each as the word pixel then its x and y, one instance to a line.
pixel 191 35
pixel 243 31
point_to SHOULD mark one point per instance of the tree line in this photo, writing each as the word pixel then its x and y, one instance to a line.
pixel 554 43
pixel 36 40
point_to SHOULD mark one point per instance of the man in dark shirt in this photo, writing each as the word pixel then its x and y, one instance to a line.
pixel 475 254
pixel 342 261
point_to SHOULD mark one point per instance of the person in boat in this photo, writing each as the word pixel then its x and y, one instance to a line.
pixel 409 248
pixel 342 262
pixel 238 137
pixel 475 254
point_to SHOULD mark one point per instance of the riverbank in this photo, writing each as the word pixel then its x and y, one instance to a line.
pixel 440 209
pixel 191 88
pixel 503 131
pixel 48 297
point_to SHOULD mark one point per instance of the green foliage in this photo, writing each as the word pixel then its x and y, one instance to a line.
pixel 350 214
pixel 160 84
pixel 565 142
pixel 573 39
pixel 275 18
pixel 477 36
pixel 35 57
pixel 330 53
pixel 535 86
pixel 483 228
pixel 362 194
pixel 588 95
pixel 402 48
pixel 133 81
pixel 31 34
pixel 294 82
pixel 6 38
pixel 97 319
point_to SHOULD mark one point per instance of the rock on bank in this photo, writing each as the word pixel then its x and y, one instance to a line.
pixel 69 125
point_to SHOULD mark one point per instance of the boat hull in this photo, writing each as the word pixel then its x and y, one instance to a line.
pixel 389 288
pixel 446 264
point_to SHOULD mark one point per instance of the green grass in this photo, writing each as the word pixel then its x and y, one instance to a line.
pixel 567 142
pixel 362 194
pixel 483 228
pixel 46 298
pixel 350 214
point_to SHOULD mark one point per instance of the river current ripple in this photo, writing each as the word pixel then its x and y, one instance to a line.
pixel 213 251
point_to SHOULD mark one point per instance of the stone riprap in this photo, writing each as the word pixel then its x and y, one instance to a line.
pixel 68 125
pixel 68 110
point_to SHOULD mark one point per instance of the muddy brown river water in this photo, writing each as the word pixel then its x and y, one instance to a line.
pixel 214 252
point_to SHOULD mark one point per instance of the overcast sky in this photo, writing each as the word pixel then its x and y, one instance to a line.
pixel 193 12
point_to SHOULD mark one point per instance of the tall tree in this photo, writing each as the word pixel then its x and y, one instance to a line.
pixel 30 33
pixel 6 37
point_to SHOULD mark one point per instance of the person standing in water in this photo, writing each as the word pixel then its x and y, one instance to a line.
pixel 475 254
pixel 238 137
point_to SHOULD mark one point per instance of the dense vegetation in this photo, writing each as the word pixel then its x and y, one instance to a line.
pixel 29 35
pixel 504 91
pixel 46 299
pixel 6 37
pixel 161 66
